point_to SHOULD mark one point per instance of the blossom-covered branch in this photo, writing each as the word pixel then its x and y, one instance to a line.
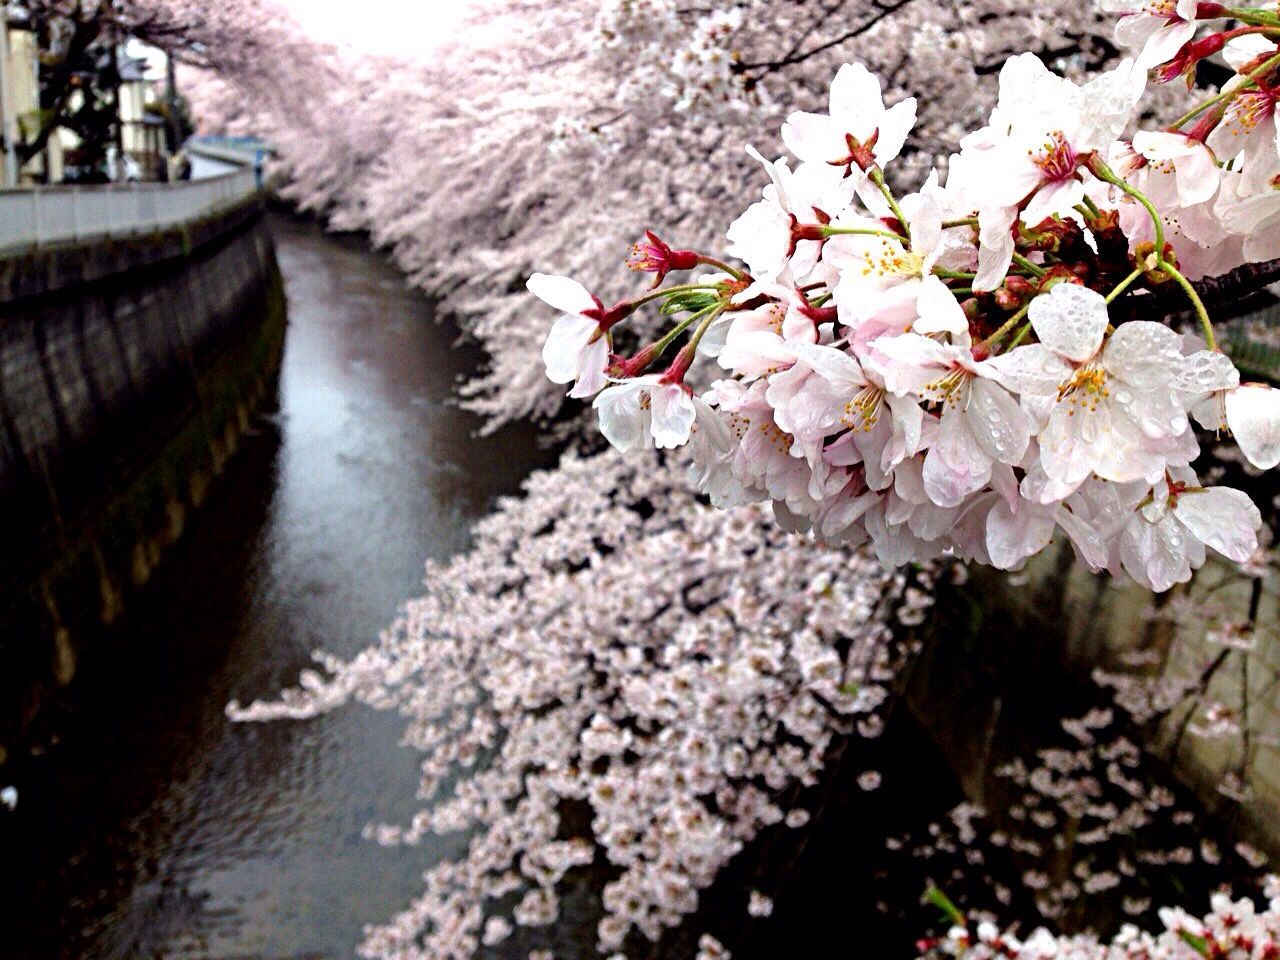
pixel 952 371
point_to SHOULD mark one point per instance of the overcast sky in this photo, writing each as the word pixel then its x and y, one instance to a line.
pixel 401 27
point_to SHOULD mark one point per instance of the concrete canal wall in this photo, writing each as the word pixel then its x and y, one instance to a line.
pixel 1013 655
pixel 129 369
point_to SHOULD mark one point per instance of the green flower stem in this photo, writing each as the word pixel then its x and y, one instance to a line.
pixel 1103 172
pixel 722 266
pixel 943 903
pixel 1033 268
pixel 1008 325
pixel 1124 284
pixel 1251 15
pixel 877 177
pixel 661 346
pixel 667 291
pixel 704 327
pixel 1250 80
pixel 962 222
pixel 860 231
pixel 1022 335
pixel 1201 313
pixel 688 353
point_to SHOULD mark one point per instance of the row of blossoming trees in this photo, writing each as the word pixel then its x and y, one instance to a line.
pixel 969 368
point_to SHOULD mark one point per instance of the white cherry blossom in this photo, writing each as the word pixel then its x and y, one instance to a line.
pixel 1117 413
pixel 885 284
pixel 1248 133
pixel 763 236
pixel 646 407
pixel 1155 29
pixel 1165 538
pixel 980 422
pixel 764 340
pixel 858 122
pixel 1043 128
pixel 577 349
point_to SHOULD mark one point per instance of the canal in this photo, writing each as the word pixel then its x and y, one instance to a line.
pixel 151 826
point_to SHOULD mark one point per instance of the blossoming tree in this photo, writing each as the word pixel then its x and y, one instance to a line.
pixel 967 369
pixel 931 370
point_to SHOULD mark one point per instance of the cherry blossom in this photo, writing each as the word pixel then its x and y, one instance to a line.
pixel 951 372
pixel 535 141
pixel 1031 157
pixel 577 349
pixel 649 406
pixel 1164 539
pixel 981 423
pixel 1155 29
pixel 1232 928
pixel 858 133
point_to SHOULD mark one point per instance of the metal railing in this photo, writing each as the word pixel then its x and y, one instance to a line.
pixel 38 216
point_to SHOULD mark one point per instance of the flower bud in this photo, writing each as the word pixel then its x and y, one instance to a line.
pixel 1144 255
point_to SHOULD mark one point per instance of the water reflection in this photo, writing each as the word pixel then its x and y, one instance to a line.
pixel 155 828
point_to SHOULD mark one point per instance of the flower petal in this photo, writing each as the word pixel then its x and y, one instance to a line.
pixel 1070 320
pixel 814 137
pixel 623 420
pixel 673 415
pixel 569 336
pixel 591 366
pixel 938 309
pixel 1013 538
pixel 562 293
pixel 856 99
pixel 1033 369
pixel 1144 354
pixel 1253 414
pixel 999 425
pixel 895 127
pixel 1221 518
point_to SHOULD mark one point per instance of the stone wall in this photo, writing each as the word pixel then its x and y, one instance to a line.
pixel 128 372
pixel 1011 655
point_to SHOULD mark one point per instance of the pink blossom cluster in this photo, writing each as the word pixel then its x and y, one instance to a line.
pixel 979 366
pixel 1231 929
pixel 548 132
pixel 691 63
pixel 669 670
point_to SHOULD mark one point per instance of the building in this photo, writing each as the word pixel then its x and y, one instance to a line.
pixel 20 106
pixel 142 128
pixel 144 148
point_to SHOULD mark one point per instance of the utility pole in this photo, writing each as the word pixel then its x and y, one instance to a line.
pixel 118 125
pixel 8 123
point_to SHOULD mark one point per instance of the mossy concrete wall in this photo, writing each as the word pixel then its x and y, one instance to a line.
pixel 1011 655
pixel 129 370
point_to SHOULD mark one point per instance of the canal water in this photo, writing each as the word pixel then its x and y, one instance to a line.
pixel 154 827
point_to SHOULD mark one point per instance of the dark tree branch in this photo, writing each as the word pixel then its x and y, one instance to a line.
pixel 85 34
pixel 772 66
pixel 1231 290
